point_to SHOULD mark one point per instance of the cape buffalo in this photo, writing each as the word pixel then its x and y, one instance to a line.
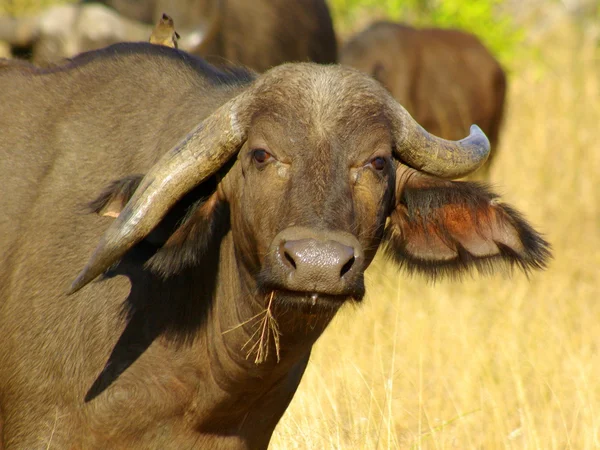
pixel 231 214
pixel 446 79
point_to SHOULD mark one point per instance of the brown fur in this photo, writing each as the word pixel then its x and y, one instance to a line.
pixel 145 360
pixel 446 79
pixel 16 64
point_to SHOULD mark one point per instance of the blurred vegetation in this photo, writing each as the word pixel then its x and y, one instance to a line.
pixel 18 8
pixel 484 18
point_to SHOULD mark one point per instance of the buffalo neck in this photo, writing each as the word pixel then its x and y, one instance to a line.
pixel 240 391
pixel 248 339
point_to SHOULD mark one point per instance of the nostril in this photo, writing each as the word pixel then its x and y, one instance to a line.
pixel 346 267
pixel 289 259
pixel 313 259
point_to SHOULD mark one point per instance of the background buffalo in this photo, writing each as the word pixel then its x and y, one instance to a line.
pixel 258 34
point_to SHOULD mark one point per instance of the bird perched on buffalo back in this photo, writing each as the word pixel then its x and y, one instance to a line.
pixel 164 32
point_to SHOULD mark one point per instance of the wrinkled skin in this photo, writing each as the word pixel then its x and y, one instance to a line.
pixel 348 194
pixel 158 352
pixel 446 79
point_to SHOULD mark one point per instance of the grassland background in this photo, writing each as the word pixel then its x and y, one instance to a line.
pixel 500 362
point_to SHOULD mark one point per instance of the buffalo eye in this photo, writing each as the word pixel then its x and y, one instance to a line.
pixel 378 163
pixel 260 156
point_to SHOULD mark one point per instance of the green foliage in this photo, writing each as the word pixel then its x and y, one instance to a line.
pixel 483 18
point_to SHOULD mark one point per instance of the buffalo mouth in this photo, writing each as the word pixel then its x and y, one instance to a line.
pixel 310 302
pixel 311 299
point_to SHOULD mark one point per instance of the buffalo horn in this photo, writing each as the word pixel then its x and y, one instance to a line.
pixel 440 157
pixel 212 143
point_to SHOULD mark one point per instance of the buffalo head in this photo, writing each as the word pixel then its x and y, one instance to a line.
pixel 328 165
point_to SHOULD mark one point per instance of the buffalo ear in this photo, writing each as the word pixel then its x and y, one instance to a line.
pixel 184 235
pixel 441 227
pixel 378 72
pixel 202 227
pixel 115 196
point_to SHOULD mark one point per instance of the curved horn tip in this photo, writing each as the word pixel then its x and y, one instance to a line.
pixel 78 283
pixel 83 279
pixel 100 261
pixel 475 131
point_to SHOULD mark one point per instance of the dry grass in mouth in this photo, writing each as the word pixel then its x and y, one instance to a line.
pixel 267 328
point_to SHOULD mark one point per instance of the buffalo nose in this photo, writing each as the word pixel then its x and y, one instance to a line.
pixel 316 262
pixel 303 259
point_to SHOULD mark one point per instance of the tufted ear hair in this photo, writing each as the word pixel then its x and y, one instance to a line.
pixel 115 196
pixel 440 227
pixel 186 246
pixel 183 239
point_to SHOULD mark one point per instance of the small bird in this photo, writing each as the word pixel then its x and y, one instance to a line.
pixel 164 33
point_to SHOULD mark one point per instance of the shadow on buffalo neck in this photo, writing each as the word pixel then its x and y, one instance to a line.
pixel 172 306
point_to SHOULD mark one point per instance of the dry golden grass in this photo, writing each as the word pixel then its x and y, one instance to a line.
pixel 489 363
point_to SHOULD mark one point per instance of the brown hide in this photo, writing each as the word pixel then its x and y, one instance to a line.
pixel 161 350
pixel 446 79
pixel 16 64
